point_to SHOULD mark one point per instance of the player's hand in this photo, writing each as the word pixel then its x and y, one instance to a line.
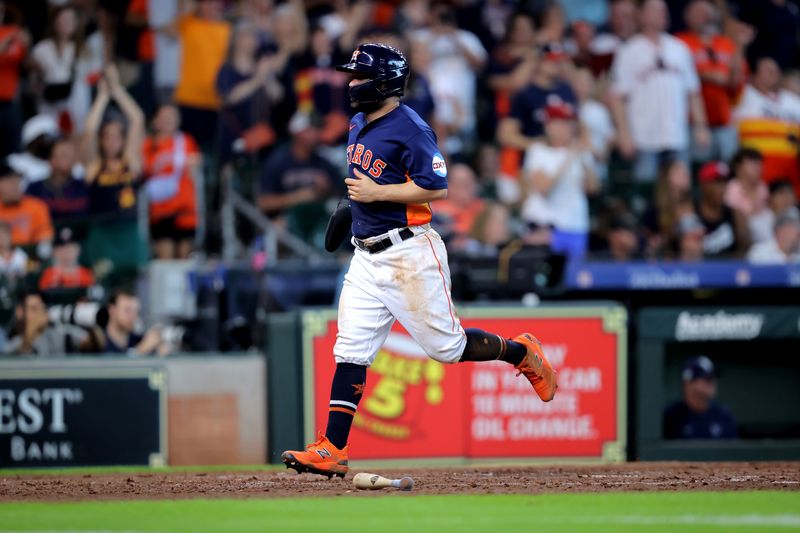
pixel 364 189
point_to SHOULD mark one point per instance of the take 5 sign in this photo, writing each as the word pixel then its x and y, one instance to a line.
pixel 414 407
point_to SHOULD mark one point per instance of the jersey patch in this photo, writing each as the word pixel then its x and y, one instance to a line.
pixel 439 166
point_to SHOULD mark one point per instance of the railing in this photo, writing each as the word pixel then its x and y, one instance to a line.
pixel 274 236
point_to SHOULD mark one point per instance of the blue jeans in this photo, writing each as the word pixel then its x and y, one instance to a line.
pixel 724 143
pixel 571 244
pixel 647 164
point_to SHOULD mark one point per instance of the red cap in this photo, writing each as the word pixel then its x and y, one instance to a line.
pixel 713 171
pixel 559 110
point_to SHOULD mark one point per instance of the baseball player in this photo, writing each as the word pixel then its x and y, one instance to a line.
pixel 399 270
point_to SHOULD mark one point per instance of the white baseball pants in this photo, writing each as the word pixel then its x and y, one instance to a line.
pixel 409 282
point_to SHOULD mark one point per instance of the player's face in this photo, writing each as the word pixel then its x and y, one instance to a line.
pixel 698 393
pixel 355 81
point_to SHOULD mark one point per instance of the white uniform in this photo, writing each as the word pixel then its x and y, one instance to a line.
pixel 409 282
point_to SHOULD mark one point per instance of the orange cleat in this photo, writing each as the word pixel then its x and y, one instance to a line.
pixel 321 458
pixel 537 368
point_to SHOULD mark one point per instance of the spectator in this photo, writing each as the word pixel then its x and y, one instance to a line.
pixel 290 35
pixel 525 121
pixel 296 175
pixel 13 260
pixel 171 159
pixel 55 58
pixel 691 234
pixel 457 213
pixel 66 60
pixel 65 272
pixel 673 201
pixel 325 92
pixel 456 58
pixel 552 24
pixel 769 121
pixel 38 135
pixel 623 239
pixel 560 174
pixel 13 49
pixel 782 201
pixel 746 192
pixel 163 15
pixel 36 335
pixel 28 216
pixel 595 120
pixel 513 62
pixel 112 154
pixel 66 196
pixel 261 14
pixel 608 39
pixel 697 415
pixel 721 68
pixel 653 67
pixel 579 47
pixel 120 336
pixel 204 36
pixel 490 231
pixel 727 232
pixel 418 95
pixel 249 88
pixel 784 247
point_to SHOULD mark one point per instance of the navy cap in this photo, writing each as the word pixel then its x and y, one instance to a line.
pixel 699 367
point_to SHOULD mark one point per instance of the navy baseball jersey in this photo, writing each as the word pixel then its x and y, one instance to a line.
pixel 680 422
pixel 396 148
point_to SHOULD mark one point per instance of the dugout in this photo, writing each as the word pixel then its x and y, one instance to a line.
pixel 755 351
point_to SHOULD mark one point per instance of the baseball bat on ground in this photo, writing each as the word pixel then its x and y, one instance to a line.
pixel 365 481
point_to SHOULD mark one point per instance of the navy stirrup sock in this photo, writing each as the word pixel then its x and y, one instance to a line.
pixel 346 391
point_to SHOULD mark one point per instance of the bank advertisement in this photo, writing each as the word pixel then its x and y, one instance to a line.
pixel 69 417
pixel 415 407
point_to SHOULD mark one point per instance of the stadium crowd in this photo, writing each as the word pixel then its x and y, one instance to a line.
pixel 602 129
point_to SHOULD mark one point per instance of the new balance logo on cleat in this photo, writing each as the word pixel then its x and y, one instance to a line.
pixel 323 453
pixel 320 457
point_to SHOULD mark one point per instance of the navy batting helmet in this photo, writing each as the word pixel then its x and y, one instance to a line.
pixel 386 68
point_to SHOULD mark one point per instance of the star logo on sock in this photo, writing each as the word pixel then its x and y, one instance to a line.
pixel 359 388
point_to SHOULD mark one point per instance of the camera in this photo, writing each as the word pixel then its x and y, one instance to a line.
pixel 83 314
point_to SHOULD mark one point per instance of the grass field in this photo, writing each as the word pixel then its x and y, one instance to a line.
pixel 664 511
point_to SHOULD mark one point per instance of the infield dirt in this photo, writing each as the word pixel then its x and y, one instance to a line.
pixel 466 480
